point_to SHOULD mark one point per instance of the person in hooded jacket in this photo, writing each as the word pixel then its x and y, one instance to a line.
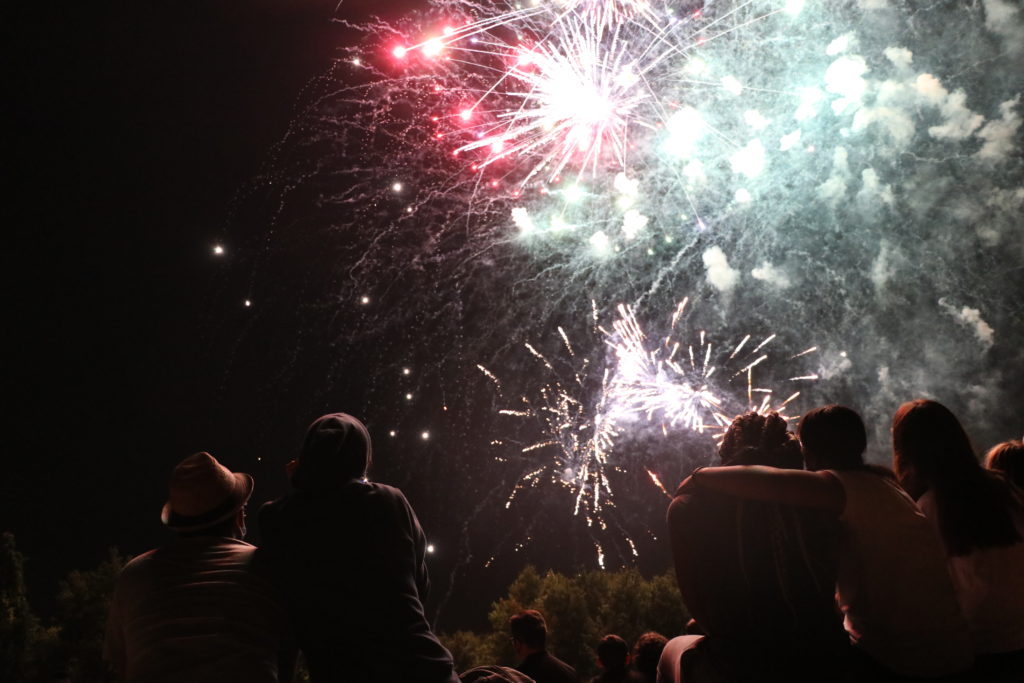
pixel 348 556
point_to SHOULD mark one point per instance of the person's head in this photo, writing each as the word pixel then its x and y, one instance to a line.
pixel 529 632
pixel 613 653
pixel 833 438
pixel 205 498
pixel 760 439
pixel 647 652
pixel 336 450
pixel 929 447
pixel 1008 458
pixel 932 453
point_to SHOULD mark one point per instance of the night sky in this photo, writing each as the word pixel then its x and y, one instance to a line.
pixel 141 136
pixel 136 132
pixel 132 127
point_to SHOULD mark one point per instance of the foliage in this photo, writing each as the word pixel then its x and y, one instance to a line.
pixel 72 649
pixel 579 611
pixel 83 600
pixel 469 649
pixel 19 627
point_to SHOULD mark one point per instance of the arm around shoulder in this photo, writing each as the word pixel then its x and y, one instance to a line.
pixel 818 490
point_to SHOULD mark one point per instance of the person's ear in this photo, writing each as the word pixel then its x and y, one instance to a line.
pixel 240 523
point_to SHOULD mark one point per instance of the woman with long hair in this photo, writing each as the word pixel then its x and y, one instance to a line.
pixel 978 515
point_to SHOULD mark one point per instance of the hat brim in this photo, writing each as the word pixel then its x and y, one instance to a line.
pixel 239 496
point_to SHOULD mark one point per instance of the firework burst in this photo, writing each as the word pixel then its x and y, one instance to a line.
pixel 674 381
pixel 480 172
pixel 584 412
pixel 574 86
pixel 578 437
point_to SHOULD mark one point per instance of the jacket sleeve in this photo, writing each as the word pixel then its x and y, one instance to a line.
pixel 419 542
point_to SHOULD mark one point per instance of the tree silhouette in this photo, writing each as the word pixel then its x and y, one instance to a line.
pixel 579 611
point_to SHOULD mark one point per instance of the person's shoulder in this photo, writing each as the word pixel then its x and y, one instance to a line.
pixel 269 514
pixel 140 563
pixel 235 546
pixel 271 507
pixel 274 508
pixel 867 474
pixel 697 506
pixel 565 667
pixel 382 490
pixel 384 496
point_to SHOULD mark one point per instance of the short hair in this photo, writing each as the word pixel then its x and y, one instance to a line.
pixel 1008 458
pixel 835 436
pixel 647 652
pixel 760 439
pixel 613 652
pixel 529 628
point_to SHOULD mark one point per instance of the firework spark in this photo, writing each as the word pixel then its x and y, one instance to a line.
pixel 662 380
pixel 571 85
pixel 778 169
pixel 578 438
pixel 583 412
pixel 672 380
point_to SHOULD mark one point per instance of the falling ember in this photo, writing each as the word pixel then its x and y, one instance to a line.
pixel 657 482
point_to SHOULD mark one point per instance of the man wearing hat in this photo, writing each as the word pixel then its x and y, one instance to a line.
pixel 348 555
pixel 195 609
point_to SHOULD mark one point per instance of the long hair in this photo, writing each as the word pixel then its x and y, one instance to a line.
pixel 931 451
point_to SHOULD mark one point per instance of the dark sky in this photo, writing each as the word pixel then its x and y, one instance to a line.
pixel 130 129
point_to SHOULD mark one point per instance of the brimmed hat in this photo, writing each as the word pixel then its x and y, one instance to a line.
pixel 202 492
pixel 336 448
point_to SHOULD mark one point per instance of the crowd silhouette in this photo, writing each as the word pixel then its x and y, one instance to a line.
pixel 798 561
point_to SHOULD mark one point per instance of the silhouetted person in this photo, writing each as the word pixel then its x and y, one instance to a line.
pixel 194 609
pixel 1008 458
pixel 758 577
pixel 980 517
pixel 529 639
pixel 349 557
pixel 894 590
pixel 646 652
pixel 613 655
